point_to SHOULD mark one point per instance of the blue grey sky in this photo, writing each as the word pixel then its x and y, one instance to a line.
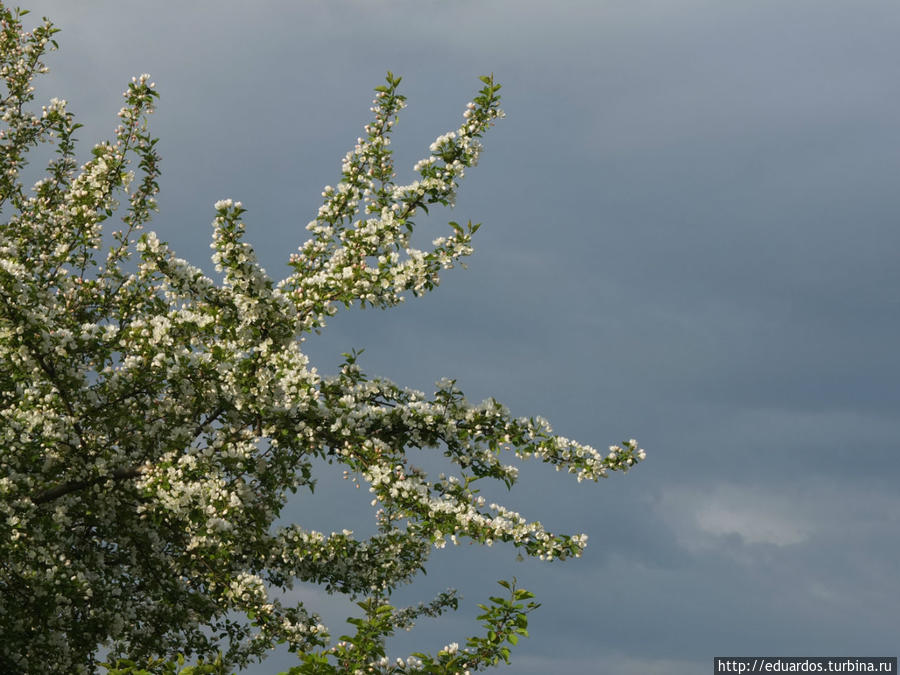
pixel 690 237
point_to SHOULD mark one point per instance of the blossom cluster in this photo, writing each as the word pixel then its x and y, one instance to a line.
pixel 155 421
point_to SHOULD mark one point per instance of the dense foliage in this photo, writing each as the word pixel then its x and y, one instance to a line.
pixel 155 421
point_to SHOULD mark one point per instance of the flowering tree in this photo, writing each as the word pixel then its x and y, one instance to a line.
pixel 155 421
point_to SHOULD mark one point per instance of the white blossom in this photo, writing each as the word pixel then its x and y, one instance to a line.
pixel 155 421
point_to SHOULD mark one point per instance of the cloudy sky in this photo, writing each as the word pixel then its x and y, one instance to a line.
pixel 690 237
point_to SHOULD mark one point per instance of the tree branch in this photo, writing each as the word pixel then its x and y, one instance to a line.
pixel 75 485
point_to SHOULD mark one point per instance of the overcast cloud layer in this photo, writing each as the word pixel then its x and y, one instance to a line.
pixel 690 237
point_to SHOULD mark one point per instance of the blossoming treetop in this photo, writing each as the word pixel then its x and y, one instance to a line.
pixel 155 421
